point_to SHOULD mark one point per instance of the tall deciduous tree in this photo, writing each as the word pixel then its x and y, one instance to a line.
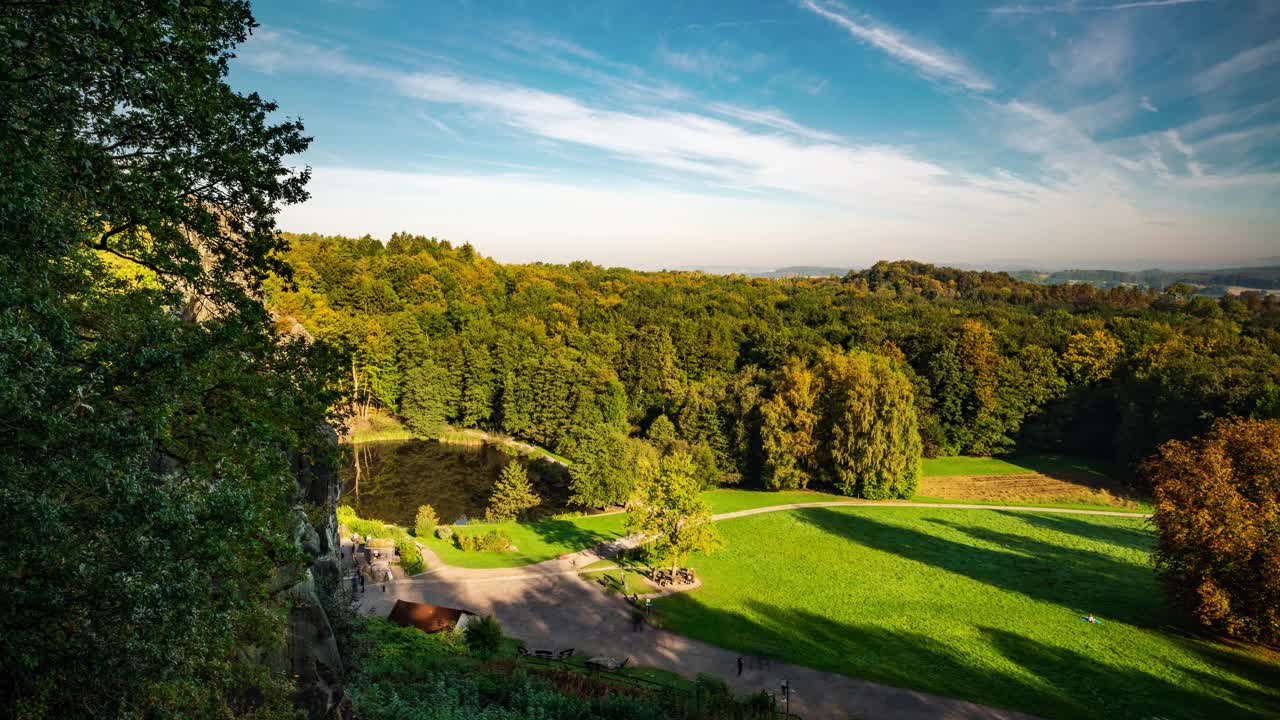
pixel 1217 507
pixel 870 440
pixel 425 404
pixel 788 421
pixel 155 422
pixel 670 510
pixel 603 471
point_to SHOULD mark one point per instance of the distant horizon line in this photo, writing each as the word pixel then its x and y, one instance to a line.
pixel 995 265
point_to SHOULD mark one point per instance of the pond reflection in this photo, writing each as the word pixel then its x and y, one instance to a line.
pixel 389 480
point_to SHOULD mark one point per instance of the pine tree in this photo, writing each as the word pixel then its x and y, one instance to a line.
pixel 513 494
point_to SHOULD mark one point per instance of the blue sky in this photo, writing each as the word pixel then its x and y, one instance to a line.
pixel 762 134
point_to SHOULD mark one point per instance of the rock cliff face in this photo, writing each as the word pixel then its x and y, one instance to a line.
pixel 310 653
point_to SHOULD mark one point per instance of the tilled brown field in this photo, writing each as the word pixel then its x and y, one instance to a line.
pixel 1027 488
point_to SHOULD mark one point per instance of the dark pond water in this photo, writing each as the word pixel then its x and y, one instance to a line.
pixel 389 480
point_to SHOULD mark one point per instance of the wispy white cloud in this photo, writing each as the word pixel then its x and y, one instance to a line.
pixel 522 217
pixel 1237 66
pixel 777 167
pixel 1255 136
pixel 269 51
pixel 726 63
pixel 729 24
pixel 1102 56
pixel 772 118
pixel 1233 118
pixel 1147 105
pixel 1075 7
pixel 1187 151
pixel 932 62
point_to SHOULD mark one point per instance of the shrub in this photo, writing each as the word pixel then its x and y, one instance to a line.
pixel 494 541
pixel 483 636
pixel 410 557
pixel 425 521
pixel 444 532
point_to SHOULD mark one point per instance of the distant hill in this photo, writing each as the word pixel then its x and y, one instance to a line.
pixel 1215 282
pixel 805 271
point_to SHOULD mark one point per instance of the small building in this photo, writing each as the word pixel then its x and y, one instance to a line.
pixel 428 618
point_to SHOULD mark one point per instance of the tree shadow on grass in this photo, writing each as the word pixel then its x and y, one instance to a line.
pixel 1082 580
pixel 1021 674
pixel 570 535
pixel 1127 537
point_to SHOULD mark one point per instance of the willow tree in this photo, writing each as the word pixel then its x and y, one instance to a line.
pixel 870 441
pixel 788 425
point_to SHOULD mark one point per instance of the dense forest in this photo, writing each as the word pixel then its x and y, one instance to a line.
pixel 751 375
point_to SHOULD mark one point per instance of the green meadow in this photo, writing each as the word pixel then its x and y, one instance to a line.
pixel 981 605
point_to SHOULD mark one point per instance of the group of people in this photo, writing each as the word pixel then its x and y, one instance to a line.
pixel 361 566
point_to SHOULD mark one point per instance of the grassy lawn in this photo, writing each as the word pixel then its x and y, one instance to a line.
pixel 1010 465
pixel 535 541
pixel 981 605
pixel 727 500
pixel 547 539
pixel 636 584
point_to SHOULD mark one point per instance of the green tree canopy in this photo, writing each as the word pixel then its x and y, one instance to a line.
pixel 157 424
pixel 669 509
pixel 870 442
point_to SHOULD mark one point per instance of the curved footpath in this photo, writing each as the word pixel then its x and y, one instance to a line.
pixel 549 606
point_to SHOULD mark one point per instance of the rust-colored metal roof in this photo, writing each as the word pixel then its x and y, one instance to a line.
pixel 427 618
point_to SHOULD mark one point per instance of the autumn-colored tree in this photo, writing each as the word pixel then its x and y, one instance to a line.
pixel 1217 508
pixel 788 420
pixel 513 494
pixel 1092 357
pixel 670 510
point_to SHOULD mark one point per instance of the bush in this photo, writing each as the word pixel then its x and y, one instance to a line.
pixel 444 532
pixel 425 521
pixel 492 541
pixel 410 557
pixel 483 636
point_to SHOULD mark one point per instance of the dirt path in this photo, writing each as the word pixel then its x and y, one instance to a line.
pixel 549 606
pixel 560 610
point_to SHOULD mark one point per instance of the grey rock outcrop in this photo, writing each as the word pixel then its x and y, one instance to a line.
pixel 310 653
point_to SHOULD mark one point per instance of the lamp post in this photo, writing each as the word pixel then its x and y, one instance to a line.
pixel 786 695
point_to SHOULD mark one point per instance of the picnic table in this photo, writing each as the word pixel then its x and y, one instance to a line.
pixel 679 576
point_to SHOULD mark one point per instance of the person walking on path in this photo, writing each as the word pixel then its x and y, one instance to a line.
pixel 739 667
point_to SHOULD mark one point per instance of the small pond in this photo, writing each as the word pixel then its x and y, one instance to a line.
pixel 389 480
